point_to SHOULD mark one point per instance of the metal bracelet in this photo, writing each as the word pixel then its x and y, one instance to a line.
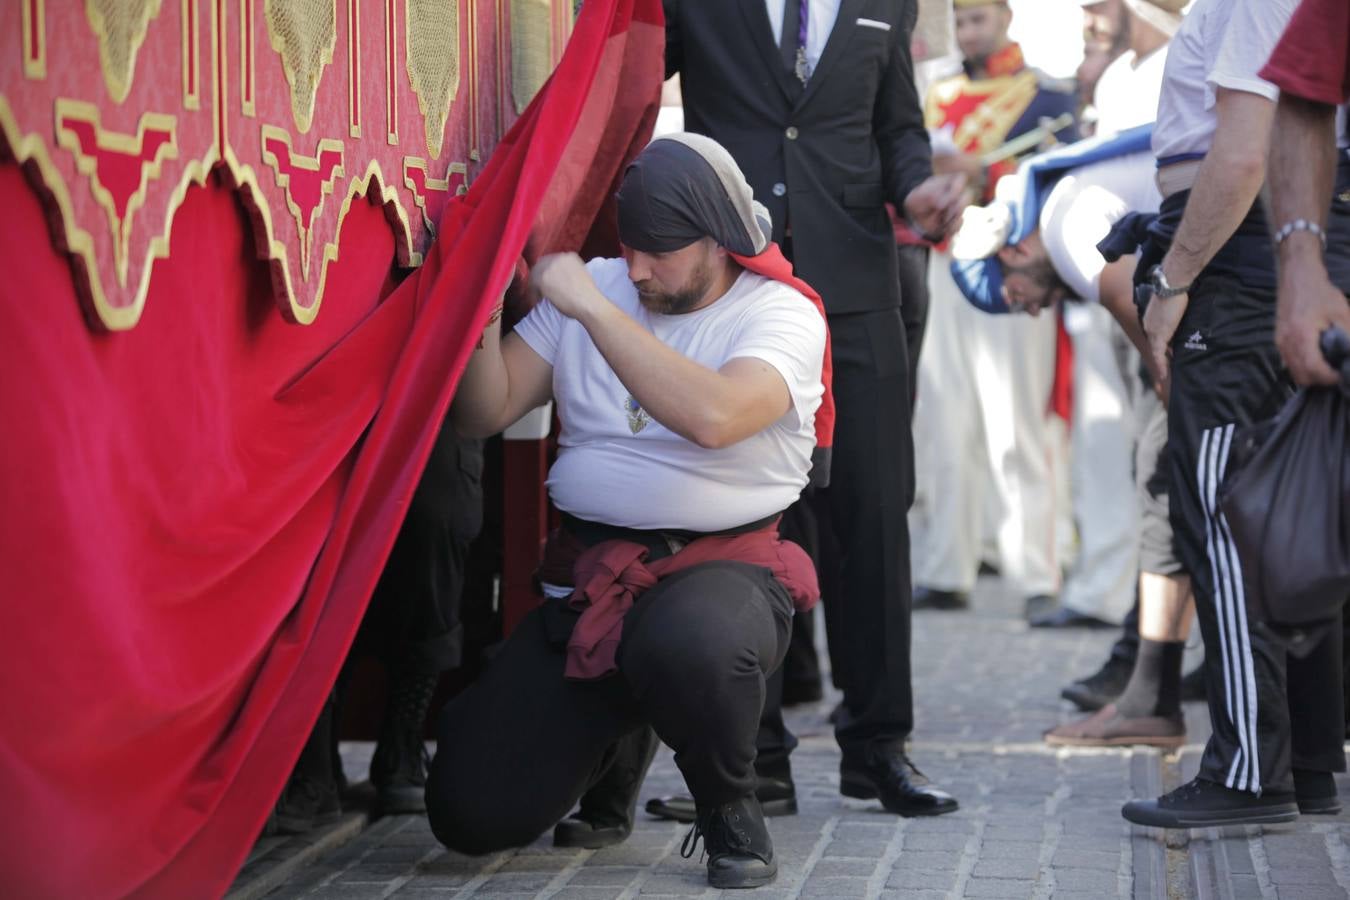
pixel 1300 225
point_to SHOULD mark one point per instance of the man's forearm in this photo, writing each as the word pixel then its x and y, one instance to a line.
pixel 1302 177
pixel 1226 186
pixel 697 403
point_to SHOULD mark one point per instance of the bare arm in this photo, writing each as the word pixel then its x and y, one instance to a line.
pixel 504 380
pixel 710 408
pixel 1117 296
pixel 1225 188
pixel 1302 176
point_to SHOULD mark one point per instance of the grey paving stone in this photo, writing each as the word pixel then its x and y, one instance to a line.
pixel 582 893
pixel 854 868
pixel 918 879
pixel 1086 880
pixel 928 860
pixel 1027 867
pixel 1086 859
pixel 1307 892
pixel 1002 888
pixel 834 887
pixel 857 849
pixel 517 882
pixel 604 876
pixel 942 840
pixel 1304 875
pixel 1009 850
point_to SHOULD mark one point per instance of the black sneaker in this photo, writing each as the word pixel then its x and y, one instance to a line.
pixel 736 842
pixel 398 770
pixel 1101 687
pixel 1204 804
pixel 305 804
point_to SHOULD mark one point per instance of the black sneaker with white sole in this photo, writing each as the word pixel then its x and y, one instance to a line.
pixel 1205 804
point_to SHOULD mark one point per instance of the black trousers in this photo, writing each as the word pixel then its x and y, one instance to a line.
pixel 518 748
pixel 1269 711
pixel 414 617
pixel 913 259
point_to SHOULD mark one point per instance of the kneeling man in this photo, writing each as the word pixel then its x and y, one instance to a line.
pixel 687 386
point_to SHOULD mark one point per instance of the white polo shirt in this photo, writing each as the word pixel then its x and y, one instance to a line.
pixel 1221 44
pixel 619 466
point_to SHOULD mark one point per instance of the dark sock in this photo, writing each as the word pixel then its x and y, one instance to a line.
pixel 1155 683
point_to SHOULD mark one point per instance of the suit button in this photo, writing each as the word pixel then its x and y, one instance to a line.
pixel 779 189
pixel 791 132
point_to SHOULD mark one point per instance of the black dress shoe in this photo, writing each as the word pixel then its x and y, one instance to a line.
pixel 891 777
pixel 931 598
pixel 609 806
pixel 777 797
pixel 1064 617
pixel 736 842
pixel 1101 687
pixel 574 831
pixel 1038 605
pixel 1206 804
pixel 1315 793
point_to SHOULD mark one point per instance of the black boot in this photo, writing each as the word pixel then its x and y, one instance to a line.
pixel 399 767
pixel 311 797
pixel 736 842
pixel 610 804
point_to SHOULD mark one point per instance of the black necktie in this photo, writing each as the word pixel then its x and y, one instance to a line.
pixel 792 24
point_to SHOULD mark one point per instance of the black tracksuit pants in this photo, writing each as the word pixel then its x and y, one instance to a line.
pixel 1269 710
pixel 518 748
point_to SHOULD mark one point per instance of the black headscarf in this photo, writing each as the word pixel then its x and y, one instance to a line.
pixel 683 188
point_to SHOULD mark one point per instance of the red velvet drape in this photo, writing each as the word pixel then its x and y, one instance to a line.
pixel 194 513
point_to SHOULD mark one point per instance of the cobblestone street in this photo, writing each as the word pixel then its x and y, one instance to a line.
pixel 1034 822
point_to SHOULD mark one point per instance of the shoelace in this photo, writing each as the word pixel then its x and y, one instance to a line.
pixel 691 840
pixel 726 834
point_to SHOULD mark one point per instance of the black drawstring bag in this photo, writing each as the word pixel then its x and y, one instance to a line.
pixel 1287 503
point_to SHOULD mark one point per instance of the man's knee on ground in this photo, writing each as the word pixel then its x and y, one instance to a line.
pixel 468 819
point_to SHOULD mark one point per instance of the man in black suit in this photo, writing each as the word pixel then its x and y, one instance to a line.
pixel 816 101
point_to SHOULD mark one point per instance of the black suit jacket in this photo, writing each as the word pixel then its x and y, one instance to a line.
pixel 823 158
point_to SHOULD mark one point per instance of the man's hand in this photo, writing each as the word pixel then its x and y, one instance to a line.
pixel 1161 319
pixel 1307 307
pixel 934 206
pixel 562 279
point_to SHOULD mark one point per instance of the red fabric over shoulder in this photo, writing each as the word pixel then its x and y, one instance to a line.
pixel 773 264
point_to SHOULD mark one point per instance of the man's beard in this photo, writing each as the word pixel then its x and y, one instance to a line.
pixel 674 303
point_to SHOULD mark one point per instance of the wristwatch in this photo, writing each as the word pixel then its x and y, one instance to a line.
pixel 1161 289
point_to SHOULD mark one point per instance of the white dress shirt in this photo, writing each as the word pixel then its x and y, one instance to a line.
pixel 821 15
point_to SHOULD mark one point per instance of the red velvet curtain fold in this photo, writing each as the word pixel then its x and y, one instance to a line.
pixel 194 513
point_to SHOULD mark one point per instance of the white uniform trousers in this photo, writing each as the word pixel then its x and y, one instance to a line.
pixel 1101 581
pixel 980 431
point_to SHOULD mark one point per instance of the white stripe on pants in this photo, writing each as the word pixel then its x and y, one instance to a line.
pixel 1231 612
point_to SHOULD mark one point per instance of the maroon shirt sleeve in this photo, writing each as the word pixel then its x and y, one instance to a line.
pixel 1312 60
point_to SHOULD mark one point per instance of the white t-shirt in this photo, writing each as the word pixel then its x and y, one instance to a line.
pixel 618 466
pixel 1221 44
pixel 1127 92
pixel 1081 210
